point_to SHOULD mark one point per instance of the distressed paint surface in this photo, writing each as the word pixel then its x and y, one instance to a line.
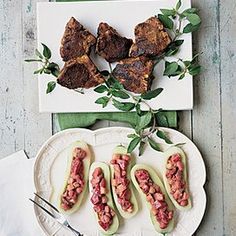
pixel 21 126
pixel 211 124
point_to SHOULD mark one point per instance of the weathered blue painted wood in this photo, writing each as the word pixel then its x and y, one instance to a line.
pixel 21 126
pixel 206 116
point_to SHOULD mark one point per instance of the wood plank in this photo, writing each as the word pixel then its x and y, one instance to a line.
pixel 207 114
pixel 11 86
pixel 228 88
pixel 37 127
pixel 22 127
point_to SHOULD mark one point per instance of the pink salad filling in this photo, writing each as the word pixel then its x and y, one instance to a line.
pixel 155 197
pixel 75 183
pixel 175 178
pixel 99 199
pixel 121 182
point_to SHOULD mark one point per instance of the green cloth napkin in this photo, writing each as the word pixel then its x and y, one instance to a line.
pixel 76 120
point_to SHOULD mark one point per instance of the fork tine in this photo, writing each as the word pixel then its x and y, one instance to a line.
pixel 44 209
pixel 53 207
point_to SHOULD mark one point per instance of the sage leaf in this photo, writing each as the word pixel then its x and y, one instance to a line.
pixel 151 94
pixel 123 106
pixel 162 120
pixel 38 53
pixel 189 11
pixel 173 48
pixel 103 101
pixel 38 71
pixel 120 94
pixel 178 5
pixel 33 60
pixel 141 148
pixel 133 144
pixel 170 68
pixel 132 135
pixel 166 21
pixel 51 86
pixel 189 28
pixel 101 89
pixel 46 51
pixel 163 136
pixel 154 145
pixel 143 121
pixel 138 109
pixel 194 70
pixel 194 19
pixel 168 12
pixel 181 76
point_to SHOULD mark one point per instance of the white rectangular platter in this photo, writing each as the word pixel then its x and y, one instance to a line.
pixel 123 16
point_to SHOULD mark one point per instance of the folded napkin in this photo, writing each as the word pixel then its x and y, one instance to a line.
pixel 83 120
pixel 16 183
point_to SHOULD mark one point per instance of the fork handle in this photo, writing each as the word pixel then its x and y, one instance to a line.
pixel 77 233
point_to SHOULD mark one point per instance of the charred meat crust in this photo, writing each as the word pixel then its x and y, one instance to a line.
pixel 135 74
pixel 110 45
pixel 151 39
pixel 80 73
pixel 76 40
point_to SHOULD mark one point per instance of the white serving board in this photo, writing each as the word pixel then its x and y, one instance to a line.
pixel 51 163
pixel 123 16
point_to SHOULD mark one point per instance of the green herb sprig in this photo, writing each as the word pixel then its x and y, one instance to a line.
pixel 47 67
pixel 116 94
pixel 181 68
pixel 171 16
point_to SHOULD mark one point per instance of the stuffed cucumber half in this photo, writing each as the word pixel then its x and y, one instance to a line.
pixel 101 198
pixel 150 187
pixel 176 178
pixel 76 178
pixel 122 189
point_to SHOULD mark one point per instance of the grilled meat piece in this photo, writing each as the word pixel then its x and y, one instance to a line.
pixel 76 40
pixel 110 45
pixel 151 39
pixel 135 74
pixel 80 73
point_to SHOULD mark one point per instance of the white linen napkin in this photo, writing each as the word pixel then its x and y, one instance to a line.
pixel 16 184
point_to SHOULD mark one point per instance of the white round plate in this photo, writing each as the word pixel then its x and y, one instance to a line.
pixel 50 166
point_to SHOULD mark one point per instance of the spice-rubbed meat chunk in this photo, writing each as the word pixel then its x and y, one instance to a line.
pixel 76 40
pixel 151 39
pixel 110 45
pixel 80 73
pixel 135 74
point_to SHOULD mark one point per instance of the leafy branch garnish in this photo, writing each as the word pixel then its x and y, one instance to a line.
pixel 173 20
pixel 116 93
pixel 47 67
pixel 181 68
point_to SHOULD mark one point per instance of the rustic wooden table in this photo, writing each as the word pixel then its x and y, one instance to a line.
pixel 211 125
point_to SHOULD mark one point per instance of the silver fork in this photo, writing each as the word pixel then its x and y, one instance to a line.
pixel 55 214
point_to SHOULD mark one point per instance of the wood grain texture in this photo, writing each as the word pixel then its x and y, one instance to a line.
pixel 21 126
pixel 227 10
pixel 206 120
